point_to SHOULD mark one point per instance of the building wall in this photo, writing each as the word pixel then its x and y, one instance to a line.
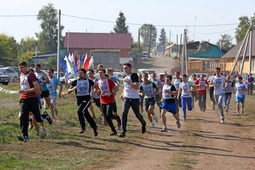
pixel 230 63
pixel 80 51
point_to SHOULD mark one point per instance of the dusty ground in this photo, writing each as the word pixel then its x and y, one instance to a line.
pixel 201 143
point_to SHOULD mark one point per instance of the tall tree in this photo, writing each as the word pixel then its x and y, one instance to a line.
pixel 27 49
pixel 47 39
pixel 225 42
pixel 162 37
pixel 244 23
pixel 121 26
pixel 149 35
pixel 8 50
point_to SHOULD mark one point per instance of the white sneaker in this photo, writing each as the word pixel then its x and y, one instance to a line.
pixel 222 120
pixel 237 114
pixel 164 130
pixel 155 118
pixel 152 125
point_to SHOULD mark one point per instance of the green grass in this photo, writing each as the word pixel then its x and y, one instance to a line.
pixel 61 147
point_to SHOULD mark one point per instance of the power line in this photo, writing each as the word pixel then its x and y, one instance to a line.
pixel 13 16
pixel 214 32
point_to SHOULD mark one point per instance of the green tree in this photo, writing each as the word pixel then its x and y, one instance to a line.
pixel 162 37
pixel 121 26
pixel 244 23
pixel 8 50
pixel 27 49
pixel 27 56
pixel 47 39
pixel 225 42
pixel 149 35
pixel 52 63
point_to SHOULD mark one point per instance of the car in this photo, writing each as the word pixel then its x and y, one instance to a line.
pixel 15 68
pixel 4 79
pixel 10 72
pixel 144 58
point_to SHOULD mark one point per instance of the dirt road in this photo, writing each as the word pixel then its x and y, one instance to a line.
pixel 201 143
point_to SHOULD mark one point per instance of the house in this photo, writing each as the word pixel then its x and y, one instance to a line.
pixel 206 59
pixel 109 49
pixel 230 56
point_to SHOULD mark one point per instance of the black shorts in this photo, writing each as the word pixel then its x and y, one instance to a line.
pixel 149 102
pixel 45 93
pixel 97 102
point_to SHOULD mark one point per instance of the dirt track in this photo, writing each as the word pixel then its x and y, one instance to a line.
pixel 201 143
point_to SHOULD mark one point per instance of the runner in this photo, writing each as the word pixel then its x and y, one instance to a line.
pixel 201 84
pixel 250 81
pixel 241 88
pixel 159 93
pixel 52 87
pixel 130 98
pixel 141 97
pixel 96 98
pixel 82 87
pixel 193 89
pixel 228 92
pixel 169 102
pixel 106 89
pixel 44 92
pixel 211 91
pixel 176 83
pixel 185 93
pixel 149 90
pixel 218 82
pixel 28 100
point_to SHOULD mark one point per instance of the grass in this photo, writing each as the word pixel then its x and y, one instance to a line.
pixel 61 147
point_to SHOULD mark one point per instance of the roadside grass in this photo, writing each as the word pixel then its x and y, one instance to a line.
pixel 61 147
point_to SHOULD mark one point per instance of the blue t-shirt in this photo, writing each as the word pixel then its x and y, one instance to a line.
pixel 52 87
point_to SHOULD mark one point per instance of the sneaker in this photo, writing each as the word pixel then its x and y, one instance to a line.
pixel 222 120
pixel 82 131
pixel 95 131
pixel 144 128
pixel 23 138
pixel 122 135
pixel 155 118
pixel 164 130
pixel 178 124
pixel 237 114
pixel 48 118
pixel 152 125
pixel 43 129
pixel 114 134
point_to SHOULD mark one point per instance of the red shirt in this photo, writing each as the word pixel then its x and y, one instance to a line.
pixel 202 88
pixel 106 99
pixel 23 83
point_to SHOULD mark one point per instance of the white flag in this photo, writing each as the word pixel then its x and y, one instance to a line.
pixel 68 64
pixel 91 63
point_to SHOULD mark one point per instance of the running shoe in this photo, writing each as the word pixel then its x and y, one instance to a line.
pixel 23 138
pixel 114 134
pixel 155 118
pixel 122 135
pixel 82 131
pixel 95 131
pixel 164 130
pixel 48 118
pixel 178 124
pixel 152 125
pixel 222 120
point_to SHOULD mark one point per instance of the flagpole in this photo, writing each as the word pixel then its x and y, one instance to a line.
pixel 58 50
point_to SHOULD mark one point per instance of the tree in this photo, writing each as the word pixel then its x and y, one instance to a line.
pixel 149 34
pixel 225 42
pixel 244 23
pixel 121 26
pixel 8 50
pixel 27 57
pixel 27 49
pixel 47 39
pixel 162 37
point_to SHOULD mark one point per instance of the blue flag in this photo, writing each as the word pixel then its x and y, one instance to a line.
pixel 63 65
pixel 82 59
pixel 75 69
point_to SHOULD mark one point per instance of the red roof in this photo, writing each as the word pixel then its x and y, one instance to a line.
pixel 98 40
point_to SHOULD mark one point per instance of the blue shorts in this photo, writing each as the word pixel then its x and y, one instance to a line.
pixel 240 100
pixel 170 107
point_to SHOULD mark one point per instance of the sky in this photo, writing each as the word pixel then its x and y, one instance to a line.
pixel 173 16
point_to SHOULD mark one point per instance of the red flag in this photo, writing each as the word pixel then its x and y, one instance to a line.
pixel 86 62
pixel 78 64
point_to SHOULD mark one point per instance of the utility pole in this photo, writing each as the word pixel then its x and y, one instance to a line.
pixel 58 51
pixel 169 51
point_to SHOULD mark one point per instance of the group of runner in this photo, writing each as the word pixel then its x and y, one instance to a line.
pixel 170 95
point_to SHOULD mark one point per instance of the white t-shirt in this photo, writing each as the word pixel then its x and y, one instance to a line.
pixel 219 83
pixel 240 92
pixel 185 86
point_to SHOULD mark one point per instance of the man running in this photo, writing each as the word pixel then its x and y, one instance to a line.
pixel 82 87
pixel 159 85
pixel 185 93
pixel 201 85
pixel 241 89
pixel 28 100
pixel 218 82
pixel 229 84
pixel 169 103
pixel 149 90
pixel 130 98
pixel 52 87
pixel 176 83
pixel 106 89
pixel 193 89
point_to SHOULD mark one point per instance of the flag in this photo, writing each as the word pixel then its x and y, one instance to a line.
pixel 69 68
pixel 86 62
pixel 63 65
pixel 91 63
pixel 78 64
pixel 75 69
pixel 82 59
pixel 70 58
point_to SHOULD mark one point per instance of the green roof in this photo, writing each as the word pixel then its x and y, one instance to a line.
pixel 212 52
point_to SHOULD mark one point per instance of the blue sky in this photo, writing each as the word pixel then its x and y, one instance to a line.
pixel 185 13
